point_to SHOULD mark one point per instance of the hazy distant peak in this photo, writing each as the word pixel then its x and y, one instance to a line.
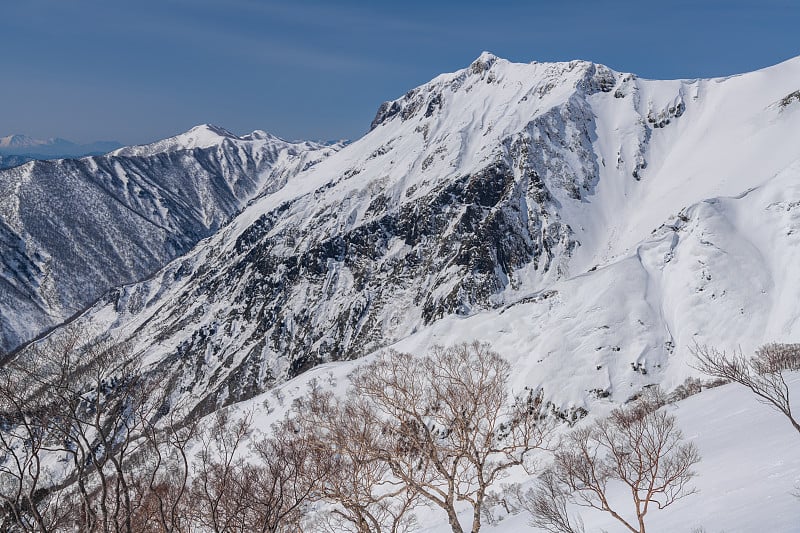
pixel 260 135
pixel 24 145
pixel 16 141
pixel 24 141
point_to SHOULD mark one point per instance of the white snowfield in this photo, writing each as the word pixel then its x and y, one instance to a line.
pixel 746 480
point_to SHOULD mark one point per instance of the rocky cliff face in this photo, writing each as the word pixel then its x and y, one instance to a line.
pixel 72 229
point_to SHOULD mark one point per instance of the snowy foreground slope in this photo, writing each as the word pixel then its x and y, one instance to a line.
pixel 749 472
pixel 72 229
pixel 747 478
pixel 590 224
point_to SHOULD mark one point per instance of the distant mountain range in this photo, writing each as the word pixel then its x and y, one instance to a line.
pixel 17 149
pixel 24 145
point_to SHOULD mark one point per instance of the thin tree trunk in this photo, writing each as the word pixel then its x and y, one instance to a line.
pixel 476 511
pixel 455 525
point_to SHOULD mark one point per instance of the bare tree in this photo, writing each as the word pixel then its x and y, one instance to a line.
pixel 81 401
pixel 91 442
pixel 88 405
pixel 217 503
pixel 282 480
pixel 547 504
pixel 28 504
pixel 350 472
pixel 31 501
pixel 450 431
pixel 163 467
pixel 100 403
pixel 263 491
pixel 763 373
pixel 638 446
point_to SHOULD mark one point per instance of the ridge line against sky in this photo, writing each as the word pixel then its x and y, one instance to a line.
pixel 135 72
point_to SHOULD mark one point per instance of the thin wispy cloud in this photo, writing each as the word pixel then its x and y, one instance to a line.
pixel 315 69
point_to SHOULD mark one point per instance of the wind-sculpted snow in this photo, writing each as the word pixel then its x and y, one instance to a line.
pixel 72 229
pixel 591 224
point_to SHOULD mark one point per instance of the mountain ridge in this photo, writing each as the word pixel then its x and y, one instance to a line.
pixel 125 215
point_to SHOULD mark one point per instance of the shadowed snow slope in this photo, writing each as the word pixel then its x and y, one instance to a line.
pixel 591 224
pixel 72 229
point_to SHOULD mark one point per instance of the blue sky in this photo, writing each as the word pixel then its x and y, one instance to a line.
pixel 139 70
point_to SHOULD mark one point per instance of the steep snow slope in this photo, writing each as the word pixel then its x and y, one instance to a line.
pixel 72 229
pixel 591 224
pixel 721 272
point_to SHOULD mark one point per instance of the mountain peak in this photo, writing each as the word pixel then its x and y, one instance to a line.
pixel 260 135
pixel 200 136
pixel 484 61
pixel 212 129
pixel 492 78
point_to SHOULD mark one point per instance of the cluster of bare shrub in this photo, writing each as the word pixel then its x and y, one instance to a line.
pixel 638 447
pixel 764 373
pixel 89 444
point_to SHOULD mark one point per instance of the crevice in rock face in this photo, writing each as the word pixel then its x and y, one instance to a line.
pixel 789 99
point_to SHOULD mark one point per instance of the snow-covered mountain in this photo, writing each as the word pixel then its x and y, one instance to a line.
pixel 72 229
pixel 591 224
pixel 24 141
